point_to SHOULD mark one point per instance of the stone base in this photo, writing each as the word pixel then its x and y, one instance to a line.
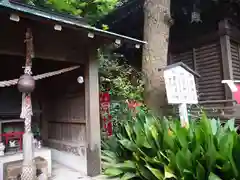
pixel 13 170
pixel 28 172
pixel 45 153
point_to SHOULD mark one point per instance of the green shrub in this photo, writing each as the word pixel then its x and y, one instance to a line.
pixel 151 148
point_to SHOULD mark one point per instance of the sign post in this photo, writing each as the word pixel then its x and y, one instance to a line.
pixel 181 88
pixel 183 113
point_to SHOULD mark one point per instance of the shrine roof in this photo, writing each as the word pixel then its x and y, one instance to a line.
pixel 71 21
pixel 186 67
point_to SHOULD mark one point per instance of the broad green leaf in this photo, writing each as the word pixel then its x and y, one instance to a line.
pixel 182 137
pixel 128 176
pixel 129 131
pixel 205 124
pixel 140 135
pixel 149 136
pixel 109 154
pixel 226 166
pixel 154 160
pixel 214 126
pixel 161 154
pixel 168 141
pixel 235 152
pixel 126 165
pixel 168 173
pixel 200 171
pixel 108 159
pixel 230 124
pixel 172 159
pixel 128 144
pixel 154 132
pixel 112 172
pixel 197 153
pixel 136 156
pixel 213 176
pixel 157 173
pixel 183 160
pixel 146 173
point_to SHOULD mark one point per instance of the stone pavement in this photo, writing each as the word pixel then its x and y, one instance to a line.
pixel 61 172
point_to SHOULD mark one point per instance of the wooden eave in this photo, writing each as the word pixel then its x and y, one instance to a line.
pixel 66 21
pixel 183 65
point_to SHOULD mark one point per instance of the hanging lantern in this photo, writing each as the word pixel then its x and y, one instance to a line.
pixel 196 16
pixel 26 83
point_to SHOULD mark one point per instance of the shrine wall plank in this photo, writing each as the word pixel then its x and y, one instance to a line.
pixel 235 52
pixel 209 66
pixel 64 114
pixel 206 60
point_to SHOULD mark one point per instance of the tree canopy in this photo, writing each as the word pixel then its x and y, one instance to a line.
pixel 92 10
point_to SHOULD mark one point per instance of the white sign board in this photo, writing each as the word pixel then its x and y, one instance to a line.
pixel 180 86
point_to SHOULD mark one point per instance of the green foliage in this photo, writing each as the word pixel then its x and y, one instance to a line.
pixel 92 10
pixel 150 148
pixel 121 79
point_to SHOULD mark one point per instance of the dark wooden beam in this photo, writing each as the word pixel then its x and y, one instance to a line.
pixel 67 122
pixel 226 56
pixel 194 59
pixel 189 44
pixel 65 45
pixel 216 101
pixel 230 30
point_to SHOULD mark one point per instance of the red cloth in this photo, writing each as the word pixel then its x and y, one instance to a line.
pixel 236 94
pixel 105 109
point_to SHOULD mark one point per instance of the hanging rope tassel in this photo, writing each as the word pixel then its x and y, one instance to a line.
pixel 26 112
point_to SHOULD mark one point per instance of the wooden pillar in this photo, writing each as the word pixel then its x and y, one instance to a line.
pixel 194 59
pixel 93 145
pixel 44 124
pixel 226 55
pixel 1 131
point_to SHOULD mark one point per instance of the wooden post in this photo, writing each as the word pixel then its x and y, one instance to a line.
pixel 1 131
pixel 29 166
pixel 194 59
pixel 226 55
pixel 92 116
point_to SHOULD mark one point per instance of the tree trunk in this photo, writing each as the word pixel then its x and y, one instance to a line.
pixel 156 33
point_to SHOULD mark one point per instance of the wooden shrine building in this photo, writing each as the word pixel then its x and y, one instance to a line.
pixel 210 47
pixel 66 113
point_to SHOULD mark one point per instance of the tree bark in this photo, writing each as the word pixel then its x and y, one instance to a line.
pixel 156 32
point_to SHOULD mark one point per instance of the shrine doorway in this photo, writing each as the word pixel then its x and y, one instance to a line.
pixel 58 110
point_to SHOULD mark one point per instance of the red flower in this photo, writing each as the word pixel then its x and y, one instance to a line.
pixel 132 104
